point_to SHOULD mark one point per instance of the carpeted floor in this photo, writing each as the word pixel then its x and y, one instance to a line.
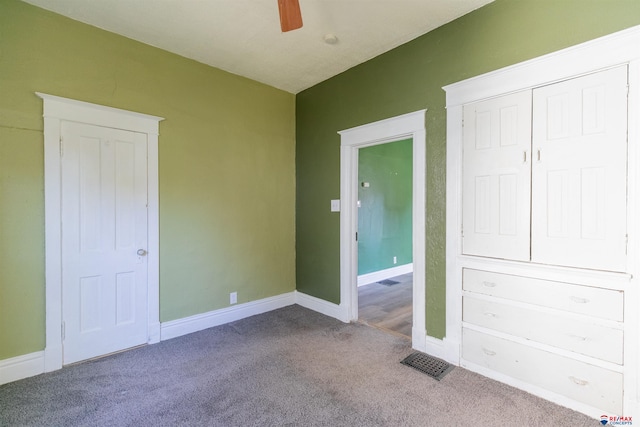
pixel 289 367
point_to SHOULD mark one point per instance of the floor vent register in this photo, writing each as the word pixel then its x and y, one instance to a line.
pixel 388 282
pixel 429 365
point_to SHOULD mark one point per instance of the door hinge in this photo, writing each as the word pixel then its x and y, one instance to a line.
pixel 356 236
pixel 61 147
pixel 63 330
pixel 626 244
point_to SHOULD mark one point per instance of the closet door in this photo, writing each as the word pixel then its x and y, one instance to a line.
pixel 579 172
pixel 497 177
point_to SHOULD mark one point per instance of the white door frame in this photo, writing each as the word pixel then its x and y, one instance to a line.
pixel 57 110
pixel 411 125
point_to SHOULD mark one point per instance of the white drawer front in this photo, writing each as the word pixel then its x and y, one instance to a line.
pixel 583 337
pixel 579 381
pixel 595 302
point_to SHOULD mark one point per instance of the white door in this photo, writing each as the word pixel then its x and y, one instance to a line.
pixel 579 193
pixel 104 240
pixel 497 177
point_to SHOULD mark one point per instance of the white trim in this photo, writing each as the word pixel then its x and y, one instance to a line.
pixel 58 109
pixel 632 294
pixel 387 273
pixel 411 125
pixel 21 367
pixel 435 347
pixel 199 322
pixel 321 306
pixel 384 130
pixel 612 50
pixel 453 232
pixel 100 115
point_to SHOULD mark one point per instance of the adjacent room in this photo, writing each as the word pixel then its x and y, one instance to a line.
pixel 269 215
pixel 385 230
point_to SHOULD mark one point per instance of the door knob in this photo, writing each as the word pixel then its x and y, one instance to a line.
pixel 141 252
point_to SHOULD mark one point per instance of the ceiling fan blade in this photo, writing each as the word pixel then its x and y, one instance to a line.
pixel 290 15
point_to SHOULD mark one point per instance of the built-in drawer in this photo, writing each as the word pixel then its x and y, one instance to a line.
pixel 589 384
pixel 581 336
pixel 595 302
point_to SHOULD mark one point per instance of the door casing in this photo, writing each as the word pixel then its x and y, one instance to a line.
pixel 411 125
pixel 56 110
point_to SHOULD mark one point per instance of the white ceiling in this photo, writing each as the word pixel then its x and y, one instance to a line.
pixel 244 37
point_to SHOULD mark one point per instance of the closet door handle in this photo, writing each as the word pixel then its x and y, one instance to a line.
pixel 538 154
pixel 488 352
pixel 579 300
pixel 578 381
pixel 524 156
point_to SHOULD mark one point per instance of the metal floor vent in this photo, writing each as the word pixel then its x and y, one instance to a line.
pixel 388 282
pixel 429 365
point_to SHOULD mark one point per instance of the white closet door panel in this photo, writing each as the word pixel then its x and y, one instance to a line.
pixel 579 172
pixel 496 177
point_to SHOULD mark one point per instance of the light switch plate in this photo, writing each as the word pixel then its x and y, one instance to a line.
pixel 335 205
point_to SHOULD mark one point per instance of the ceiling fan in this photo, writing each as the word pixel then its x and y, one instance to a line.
pixel 290 15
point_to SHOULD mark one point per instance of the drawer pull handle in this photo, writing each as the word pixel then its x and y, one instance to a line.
pixel 488 352
pixel 489 284
pixel 578 381
pixel 577 337
pixel 579 300
pixel 490 314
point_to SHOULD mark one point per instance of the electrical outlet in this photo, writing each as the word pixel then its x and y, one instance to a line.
pixel 233 298
pixel 395 259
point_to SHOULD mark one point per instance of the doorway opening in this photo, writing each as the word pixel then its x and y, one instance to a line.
pixel 385 229
pixel 408 126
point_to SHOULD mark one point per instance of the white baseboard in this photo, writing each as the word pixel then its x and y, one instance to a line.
pixel 419 339
pixel 321 306
pixel 435 347
pixel 154 333
pixel 21 367
pixel 28 365
pixel 388 273
pixel 187 325
pixel 440 348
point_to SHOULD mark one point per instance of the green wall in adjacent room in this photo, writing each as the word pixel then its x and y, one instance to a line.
pixel 410 78
pixel 385 221
pixel 226 167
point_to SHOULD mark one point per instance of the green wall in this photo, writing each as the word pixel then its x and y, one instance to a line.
pixel 226 166
pixel 385 222
pixel 407 79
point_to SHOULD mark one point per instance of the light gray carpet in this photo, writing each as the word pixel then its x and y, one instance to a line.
pixel 289 367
